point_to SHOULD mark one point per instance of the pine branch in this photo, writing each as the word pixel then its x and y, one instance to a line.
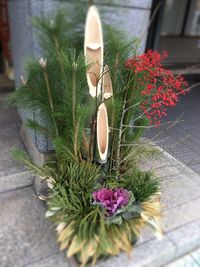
pixel 50 97
pixel 58 55
pixel 74 65
pixel 22 157
pixel 63 150
pixel 32 124
pixel 76 147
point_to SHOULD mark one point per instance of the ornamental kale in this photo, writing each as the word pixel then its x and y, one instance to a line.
pixel 119 204
pixel 111 199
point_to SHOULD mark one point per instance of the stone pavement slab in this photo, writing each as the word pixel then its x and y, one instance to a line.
pixel 186 261
pixel 181 215
pixel 158 253
pixel 196 255
pixel 179 184
pixel 179 190
pixel 186 238
pixel 26 235
pixel 153 253
pixel 15 181
pixel 12 174
pixel 9 137
pixel 57 260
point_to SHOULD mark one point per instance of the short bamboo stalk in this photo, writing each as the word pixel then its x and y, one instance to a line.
pixel 102 132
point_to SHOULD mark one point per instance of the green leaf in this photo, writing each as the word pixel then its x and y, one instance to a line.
pixel 132 212
pixel 114 220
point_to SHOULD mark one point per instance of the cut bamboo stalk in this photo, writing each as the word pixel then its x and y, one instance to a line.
pixel 102 132
pixel 107 83
pixel 93 49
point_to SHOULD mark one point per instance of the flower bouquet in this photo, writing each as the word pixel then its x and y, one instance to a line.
pixel 96 104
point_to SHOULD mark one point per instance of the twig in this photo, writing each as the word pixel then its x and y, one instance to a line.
pixel 150 21
pixel 113 134
pixel 172 123
pixel 92 137
pixel 132 106
pixel 186 70
pixel 120 134
pixel 192 86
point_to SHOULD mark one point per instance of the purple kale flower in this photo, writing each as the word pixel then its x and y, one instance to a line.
pixel 111 199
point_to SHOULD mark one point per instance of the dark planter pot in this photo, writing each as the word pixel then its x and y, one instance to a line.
pixel 40 187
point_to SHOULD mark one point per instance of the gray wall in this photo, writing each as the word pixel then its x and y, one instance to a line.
pixel 24 46
pixel 130 15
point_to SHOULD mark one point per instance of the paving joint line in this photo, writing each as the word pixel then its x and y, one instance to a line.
pixel 182 204
pixel 183 255
pixel 194 257
pixel 42 258
pixel 185 224
pixel 16 189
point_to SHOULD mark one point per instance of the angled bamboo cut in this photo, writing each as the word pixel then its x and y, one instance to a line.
pixel 93 50
pixel 102 132
pixel 107 84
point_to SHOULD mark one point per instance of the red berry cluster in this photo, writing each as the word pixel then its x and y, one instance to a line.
pixel 158 86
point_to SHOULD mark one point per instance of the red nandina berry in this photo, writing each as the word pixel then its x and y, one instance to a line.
pixel 159 88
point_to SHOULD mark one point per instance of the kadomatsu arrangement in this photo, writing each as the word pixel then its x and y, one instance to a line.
pixel 96 97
